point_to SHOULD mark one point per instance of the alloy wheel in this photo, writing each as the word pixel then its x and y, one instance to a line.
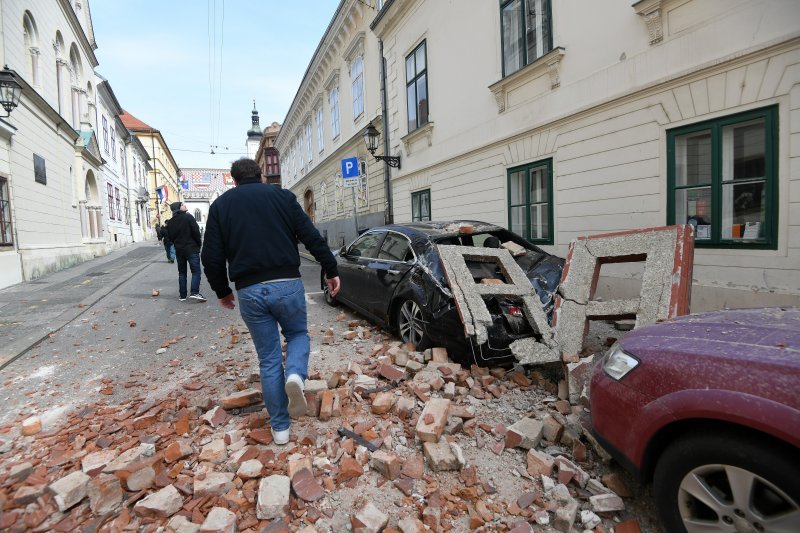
pixel 410 322
pixel 729 498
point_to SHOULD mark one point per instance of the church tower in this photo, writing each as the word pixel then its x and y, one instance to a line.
pixel 254 134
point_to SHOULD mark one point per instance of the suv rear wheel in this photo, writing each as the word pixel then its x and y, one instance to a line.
pixel 727 482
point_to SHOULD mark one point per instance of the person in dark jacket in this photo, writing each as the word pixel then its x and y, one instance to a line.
pixel 169 248
pixel 251 238
pixel 184 233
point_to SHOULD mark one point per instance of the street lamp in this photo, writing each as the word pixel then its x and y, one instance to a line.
pixel 10 91
pixel 371 136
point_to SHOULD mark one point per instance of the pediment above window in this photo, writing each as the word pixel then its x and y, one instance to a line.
pixel 550 64
pixel 355 48
pixel 332 81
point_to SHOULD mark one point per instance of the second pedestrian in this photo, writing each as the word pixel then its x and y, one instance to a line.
pixel 184 233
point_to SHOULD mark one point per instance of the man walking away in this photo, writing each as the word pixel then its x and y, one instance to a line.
pixel 184 232
pixel 255 228
pixel 163 236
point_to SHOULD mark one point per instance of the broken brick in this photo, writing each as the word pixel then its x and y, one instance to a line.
pixel 433 420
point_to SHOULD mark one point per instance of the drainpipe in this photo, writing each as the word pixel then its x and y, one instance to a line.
pixel 387 176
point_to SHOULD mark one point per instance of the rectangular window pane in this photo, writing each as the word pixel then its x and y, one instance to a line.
pixel 743 211
pixel 693 206
pixel 517 188
pixel 743 151
pixel 518 220
pixel 422 100
pixel 410 70
pixel 412 107
pixel 419 57
pixel 539 185
pixel 512 37
pixel 536 26
pixel 539 222
pixel 693 158
pixel 425 205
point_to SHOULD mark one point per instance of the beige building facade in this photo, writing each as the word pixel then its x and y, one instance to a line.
pixel 338 97
pixel 670 111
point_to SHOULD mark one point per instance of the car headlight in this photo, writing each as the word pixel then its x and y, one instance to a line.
pixel 618 363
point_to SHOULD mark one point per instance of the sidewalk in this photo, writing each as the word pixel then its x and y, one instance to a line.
pixel 31 310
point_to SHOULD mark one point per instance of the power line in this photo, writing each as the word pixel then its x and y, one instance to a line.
pixel 221 64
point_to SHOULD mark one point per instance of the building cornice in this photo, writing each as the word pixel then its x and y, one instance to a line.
pixel 78 30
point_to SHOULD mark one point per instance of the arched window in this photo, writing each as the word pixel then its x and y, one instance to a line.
pixel 31 37
pixel 357 75
pixel 198 215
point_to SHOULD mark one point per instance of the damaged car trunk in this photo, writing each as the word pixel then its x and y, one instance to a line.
pixel 394 276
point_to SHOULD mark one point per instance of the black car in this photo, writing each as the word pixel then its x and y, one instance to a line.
pixel 394 276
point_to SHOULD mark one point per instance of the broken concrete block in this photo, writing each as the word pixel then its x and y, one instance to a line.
pixel 31 426
pixel 129 457
pixel 250 469
pixel 439 355
pixel 440 456
pixel 241 399
pixel 141 479
pixel 524 433
pixel 565 516
pixel 433 419
pixel 386 464
pixel 25 495
pixel 214 483
pixel 214 452
pixel 539 463
pixel 181 524
pixel 97 461
pixel 162 504
pixel 383 402
pixel 20 472
pixel 668 255
pixel 410 525
pixel 105 494
pixel 369 519
pixel 606 503
pixel 273 497
pixel 69 490
pixel 219 520
pixel 589 520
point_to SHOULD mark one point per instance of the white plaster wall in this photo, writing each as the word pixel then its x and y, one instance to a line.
pixel 605 126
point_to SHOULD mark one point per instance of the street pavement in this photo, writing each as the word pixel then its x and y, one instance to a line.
pixel 65 333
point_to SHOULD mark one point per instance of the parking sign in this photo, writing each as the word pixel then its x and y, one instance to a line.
pixel 350 172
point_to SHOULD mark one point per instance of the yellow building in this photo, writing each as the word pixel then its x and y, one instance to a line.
pixel 162 182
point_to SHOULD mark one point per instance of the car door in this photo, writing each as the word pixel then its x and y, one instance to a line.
pixel 394 260
pixel 353 271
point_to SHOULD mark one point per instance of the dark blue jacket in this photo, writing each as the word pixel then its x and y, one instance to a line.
pixel 255 228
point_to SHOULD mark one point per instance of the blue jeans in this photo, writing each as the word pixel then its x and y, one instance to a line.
pixel 264 306
pixel 194 264
pixel 170 249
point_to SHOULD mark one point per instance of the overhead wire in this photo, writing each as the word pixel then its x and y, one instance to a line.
pixel 221 65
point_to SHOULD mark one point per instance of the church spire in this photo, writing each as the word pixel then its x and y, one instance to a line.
pixel 255 130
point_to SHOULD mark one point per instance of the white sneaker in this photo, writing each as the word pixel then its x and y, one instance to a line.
pixel 297 400
pixel 280 437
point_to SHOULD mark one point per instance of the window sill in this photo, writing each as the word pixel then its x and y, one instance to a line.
pixel 550 63
pixel 423 132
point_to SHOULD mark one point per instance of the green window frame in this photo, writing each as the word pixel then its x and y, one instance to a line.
pixel 722 178
pixel 530 201
pixel 526 30
pixel 417 87
pixel 421 206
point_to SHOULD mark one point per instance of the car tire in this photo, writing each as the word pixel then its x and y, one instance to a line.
pixel 728 481
pixel 330 300
pixel 409 324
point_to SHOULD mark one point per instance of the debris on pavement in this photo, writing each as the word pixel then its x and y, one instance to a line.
pixel 399 439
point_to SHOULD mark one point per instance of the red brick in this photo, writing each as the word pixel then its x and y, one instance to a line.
pixel 433 420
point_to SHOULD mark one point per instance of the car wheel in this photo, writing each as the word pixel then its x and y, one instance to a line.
pixel 410 324
pixel 330 300
pixel 727 482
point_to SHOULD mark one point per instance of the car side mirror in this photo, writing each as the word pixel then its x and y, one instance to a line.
pixel 343 250
pixel 354 252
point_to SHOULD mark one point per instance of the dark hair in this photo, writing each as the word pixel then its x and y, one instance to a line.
pixel 245 170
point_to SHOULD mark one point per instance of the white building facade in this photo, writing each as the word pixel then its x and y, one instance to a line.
pixel 669 111
pixel 49 157
pixel 138 165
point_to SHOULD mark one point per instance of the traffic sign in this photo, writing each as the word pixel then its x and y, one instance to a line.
pixel 350 172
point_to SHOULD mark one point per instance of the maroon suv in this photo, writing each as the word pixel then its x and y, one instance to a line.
pixel 707 406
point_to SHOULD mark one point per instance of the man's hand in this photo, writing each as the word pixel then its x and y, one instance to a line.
pixel 227 301
pixel 333 286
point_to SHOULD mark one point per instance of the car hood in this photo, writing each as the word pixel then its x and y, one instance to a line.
pixel 757 335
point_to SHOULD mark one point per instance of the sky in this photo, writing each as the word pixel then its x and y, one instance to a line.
pixel 192 68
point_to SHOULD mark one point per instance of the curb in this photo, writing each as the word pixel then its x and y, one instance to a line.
pixel 22 346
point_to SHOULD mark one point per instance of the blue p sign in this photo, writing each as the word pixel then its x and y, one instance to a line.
pixel 350 167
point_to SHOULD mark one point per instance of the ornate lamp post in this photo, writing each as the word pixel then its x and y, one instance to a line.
pixel 10 91
pixel 371 137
